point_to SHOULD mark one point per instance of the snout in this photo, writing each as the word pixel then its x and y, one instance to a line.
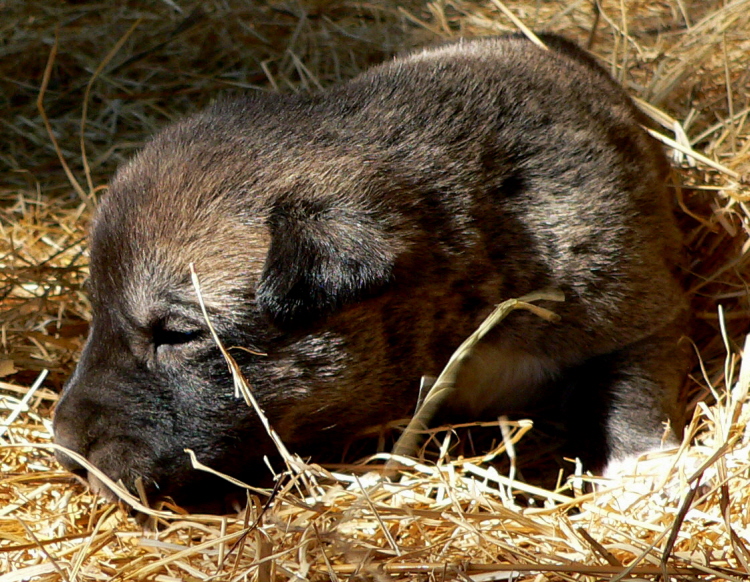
pixel 70 429
pixel 116 458
pixel 85 428
pixel 131 441
pixel 66 436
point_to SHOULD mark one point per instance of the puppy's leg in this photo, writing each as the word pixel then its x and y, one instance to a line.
pixel 616 405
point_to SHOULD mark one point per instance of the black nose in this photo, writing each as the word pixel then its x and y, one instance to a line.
pixel 71 431
pixel 64 436
pixel 70 464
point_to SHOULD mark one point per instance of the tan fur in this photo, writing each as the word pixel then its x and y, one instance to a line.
pixel 348 241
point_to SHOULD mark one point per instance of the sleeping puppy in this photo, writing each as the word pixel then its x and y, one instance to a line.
pixel 348 241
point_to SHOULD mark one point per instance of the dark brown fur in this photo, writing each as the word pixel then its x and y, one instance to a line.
pixel 356 237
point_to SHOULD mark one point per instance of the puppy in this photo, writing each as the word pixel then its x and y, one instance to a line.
pixel 348 241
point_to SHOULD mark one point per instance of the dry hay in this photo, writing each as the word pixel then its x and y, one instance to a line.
pixel 126 69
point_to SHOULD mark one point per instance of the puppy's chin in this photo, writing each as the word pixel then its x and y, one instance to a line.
pixel 208 497
pixel 125 461
pixel 98 487
pixel 189 491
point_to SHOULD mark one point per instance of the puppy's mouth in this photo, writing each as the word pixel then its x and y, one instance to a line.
pixel 110 463
pixel 121 463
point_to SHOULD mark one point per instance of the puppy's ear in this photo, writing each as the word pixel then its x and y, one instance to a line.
pixel 322 256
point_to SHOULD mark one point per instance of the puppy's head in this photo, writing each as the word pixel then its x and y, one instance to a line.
pixel 285 243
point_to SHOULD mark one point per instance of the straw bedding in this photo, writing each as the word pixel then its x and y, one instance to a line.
pixel 84 83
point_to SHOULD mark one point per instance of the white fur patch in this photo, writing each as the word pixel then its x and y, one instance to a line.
pixel 498 378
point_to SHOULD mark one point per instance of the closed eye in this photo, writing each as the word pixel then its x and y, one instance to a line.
pixel 169 337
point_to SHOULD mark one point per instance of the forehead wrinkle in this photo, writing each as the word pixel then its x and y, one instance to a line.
pixel 181 201
pixel 226 254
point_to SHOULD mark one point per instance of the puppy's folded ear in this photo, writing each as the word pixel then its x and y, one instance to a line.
pixel 322 255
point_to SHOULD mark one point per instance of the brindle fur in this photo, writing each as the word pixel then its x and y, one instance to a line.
pixel 355 237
